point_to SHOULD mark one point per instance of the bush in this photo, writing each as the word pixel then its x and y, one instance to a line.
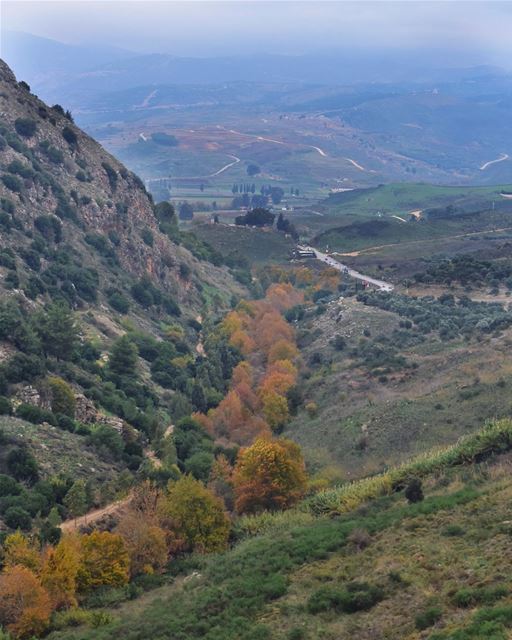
pixel 428 618
pixel 63 398
pixel 470 597
pixel 111 175
pixel 22 465
pixel 26 127
pixel 12 182
pixel 118 301
pixel 69 135
pixel 107 440
pixel 12 280
pixel 414 491
pixel 5 408
pixel 356 596
pixel 35 415
pixel 50 227
pixel 23 367
pixel 54 155
pixel 9 486
pixel 17 518
pixel 147 237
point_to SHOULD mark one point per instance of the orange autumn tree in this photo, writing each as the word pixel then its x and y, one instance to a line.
pixel 25 605
pixel 269 475
pixel 145 542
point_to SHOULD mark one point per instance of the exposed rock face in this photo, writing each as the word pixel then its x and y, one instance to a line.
pixel 30 395
pixel 85 411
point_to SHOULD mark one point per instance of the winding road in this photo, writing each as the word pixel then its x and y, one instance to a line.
pixel 236 160
pixel 504 156
pixel 380 284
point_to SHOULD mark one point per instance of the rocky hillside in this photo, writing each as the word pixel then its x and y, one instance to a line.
pixel 106 308
pixel 51 168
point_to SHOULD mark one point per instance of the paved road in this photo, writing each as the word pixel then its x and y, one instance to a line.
pixel 503 156
pixel 380 284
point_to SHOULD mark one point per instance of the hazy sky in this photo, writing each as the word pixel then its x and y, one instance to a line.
pixel 205 28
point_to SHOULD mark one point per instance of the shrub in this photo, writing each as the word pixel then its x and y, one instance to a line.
pixel 312 409
pixel 69 135
pixel 9 486
pixel 414 491
pixel 17 518
pixel 107 440
pixel 36 415
pixel 452 531
pixel 22 465
pixel 63 398
pixel 428 618
pixel 50 227
pixel 147 237
pixel 26 127
pixel 5 407
pixel 21 169
pixel 118 301
pixel 12 280
pixel 356 596
pixel 81 176
pixel 12 182
pixel 54 155
pixel 111 175
pixel 23 367
pixel 470 597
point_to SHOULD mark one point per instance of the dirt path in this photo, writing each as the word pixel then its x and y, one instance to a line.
pixel 147 99
pixel 504 156
pixel 355 164
pixel 200 346
pixel 236 160
pixel 68 526
pixel 291 144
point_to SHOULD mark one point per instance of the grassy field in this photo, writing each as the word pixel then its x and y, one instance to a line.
pixel 369 417
pixel 257 245
pixel 401 198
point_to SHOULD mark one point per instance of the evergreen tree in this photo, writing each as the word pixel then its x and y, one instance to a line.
pixel 75 499
pixel 198 398
pixel 58 331
pixel 123 357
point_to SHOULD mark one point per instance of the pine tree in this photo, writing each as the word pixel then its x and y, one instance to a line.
pixel 58 331
pixel 123 357
pixel 75 499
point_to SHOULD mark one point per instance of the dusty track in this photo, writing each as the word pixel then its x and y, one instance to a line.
pixel 69 526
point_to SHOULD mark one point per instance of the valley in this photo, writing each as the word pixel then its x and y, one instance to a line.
pixel 255 373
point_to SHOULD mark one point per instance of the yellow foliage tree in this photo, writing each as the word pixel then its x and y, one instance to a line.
pixel 196 515
pixel 275 410
pixel 104 561
pixel 282 350
pixel 145 542
pixel 25 606
pixel 60 571
pixel 269 475
pixel 19 550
